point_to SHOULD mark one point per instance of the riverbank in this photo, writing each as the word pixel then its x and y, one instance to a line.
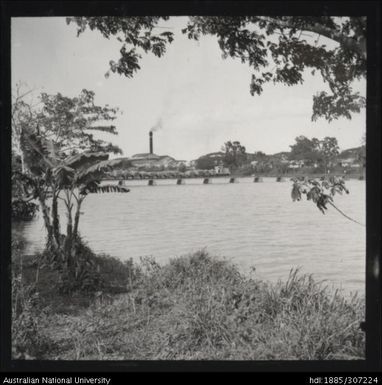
pixel 299 174
pixel 194 307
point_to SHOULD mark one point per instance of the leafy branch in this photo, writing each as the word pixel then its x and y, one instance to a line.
pixel 321 192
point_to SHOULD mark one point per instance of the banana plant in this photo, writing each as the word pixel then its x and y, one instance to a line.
pixel 70 179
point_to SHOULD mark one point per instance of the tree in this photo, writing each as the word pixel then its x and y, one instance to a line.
pixel 314 150
pixel 136 34
pixel 263 166
pixel 329 150
pixel 63 161
pixel 278 49
pixel 21 116
pixel 279 166
pixel 205 163
pixel 279 43
pixel 259 155
pixel 305 149
pixel 234 155
pixel 22 208
pixel 182 167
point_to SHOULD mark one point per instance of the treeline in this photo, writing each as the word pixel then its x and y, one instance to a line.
pixel 306 155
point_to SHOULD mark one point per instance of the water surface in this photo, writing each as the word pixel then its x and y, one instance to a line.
pixel 251 224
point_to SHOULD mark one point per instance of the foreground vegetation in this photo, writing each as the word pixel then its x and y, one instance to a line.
pixel 192 308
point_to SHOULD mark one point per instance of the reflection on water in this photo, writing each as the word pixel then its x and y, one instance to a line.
pixel 251 224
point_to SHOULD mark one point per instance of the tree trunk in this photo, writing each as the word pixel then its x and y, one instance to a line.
pixel 69 242
pixel 77 219
pixel 45 215
pixel 22 162
pixel 55 218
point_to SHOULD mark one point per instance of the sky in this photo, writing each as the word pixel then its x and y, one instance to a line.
pixel 200 99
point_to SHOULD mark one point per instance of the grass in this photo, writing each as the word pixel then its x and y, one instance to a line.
pixel 195 307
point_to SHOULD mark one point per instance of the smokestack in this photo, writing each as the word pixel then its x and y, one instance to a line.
pixel 151 142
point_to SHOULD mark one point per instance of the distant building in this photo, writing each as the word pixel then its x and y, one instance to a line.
pixel 144 160
pixel 347 162
pixel 144 156
pixel 167 161
pixel 220 169
pixel 350 162
pixel 295 164
pixel 181 163
pixel 152 161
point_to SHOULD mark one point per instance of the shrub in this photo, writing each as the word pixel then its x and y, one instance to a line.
pixel 23 211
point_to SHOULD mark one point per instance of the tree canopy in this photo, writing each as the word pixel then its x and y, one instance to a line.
pixel 234 154
pixel 71 123
pixel 277 49
pixel 315 151
pixel 305 149
pixel 329 150
pixel 136 34
pixel 205 163
pixel 64 161
pixel 280 43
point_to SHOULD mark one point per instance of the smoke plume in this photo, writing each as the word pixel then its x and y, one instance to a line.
pixel 157 126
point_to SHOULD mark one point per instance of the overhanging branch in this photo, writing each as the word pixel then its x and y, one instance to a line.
pixel 358 46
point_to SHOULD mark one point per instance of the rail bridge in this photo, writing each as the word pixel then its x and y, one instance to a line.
pixel 137 175
pixel 180 177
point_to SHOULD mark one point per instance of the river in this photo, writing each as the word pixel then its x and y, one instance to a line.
pixel 250 224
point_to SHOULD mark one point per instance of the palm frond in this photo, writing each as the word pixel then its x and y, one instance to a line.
pixel 108 129
pixel 63 175
pixel 107 189
pixel 85 159
pixel 96 171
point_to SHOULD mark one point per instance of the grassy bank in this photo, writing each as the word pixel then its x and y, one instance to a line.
pixel 193 307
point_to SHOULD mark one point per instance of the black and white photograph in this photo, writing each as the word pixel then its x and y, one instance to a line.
pixel 188 187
